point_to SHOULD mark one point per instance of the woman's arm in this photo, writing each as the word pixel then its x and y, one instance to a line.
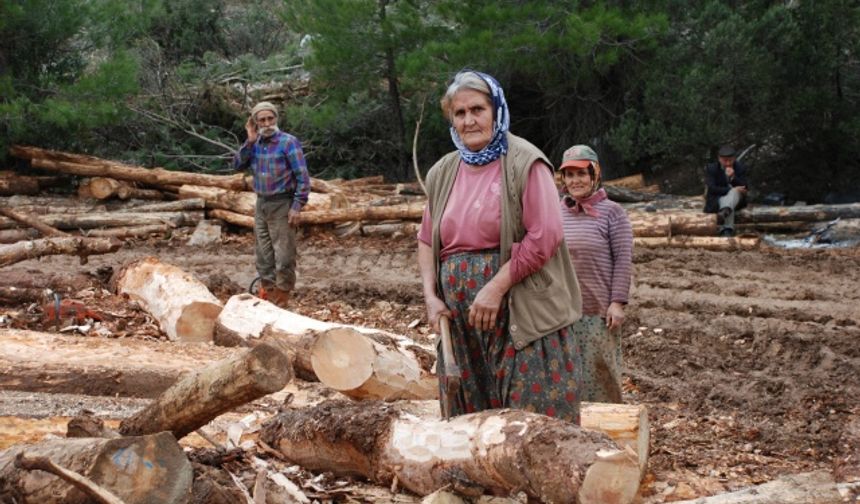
pixel 427 266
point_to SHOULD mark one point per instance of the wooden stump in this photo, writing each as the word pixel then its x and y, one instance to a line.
pixel 145 470
pixel 183 306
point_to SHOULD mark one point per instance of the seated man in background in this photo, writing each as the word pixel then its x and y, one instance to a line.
pixel 726 183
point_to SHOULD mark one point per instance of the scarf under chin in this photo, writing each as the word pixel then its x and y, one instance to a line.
pixel 498 145
pixel 586 205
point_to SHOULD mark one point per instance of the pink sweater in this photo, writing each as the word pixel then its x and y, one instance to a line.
pixel 472 217
pixel 601 249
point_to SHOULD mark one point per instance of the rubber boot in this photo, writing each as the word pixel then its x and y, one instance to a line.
pixel 279 297
pixel 265 289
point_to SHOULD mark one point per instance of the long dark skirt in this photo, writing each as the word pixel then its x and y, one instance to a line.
pixel 544 377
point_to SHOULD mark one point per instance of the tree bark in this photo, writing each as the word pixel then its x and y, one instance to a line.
pixel 167 206
pixel 59 364
pixel 12 184
pixel 88 166
pixel 85 485
pixel 363 366
pixel 704 242
pixel 246 320
pixel 636 181
pixel 184 307
pixel 496 451
pixel 129 231
pixel 234 218
pixel 245 202
pixel 407 211
pixel 390 229
pixel 70 245
pixel 807 213
pixel 146 470
pixel 198 398
pixel 33 222
pixel 16 295
pixel 665 224
pixel 8 236
pixel 114 219
pixel 103 188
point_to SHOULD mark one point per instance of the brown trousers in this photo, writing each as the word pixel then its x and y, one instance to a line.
pixel 275 241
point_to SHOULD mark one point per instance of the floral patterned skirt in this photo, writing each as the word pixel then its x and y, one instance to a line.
pixel 544 377
pixel 601 359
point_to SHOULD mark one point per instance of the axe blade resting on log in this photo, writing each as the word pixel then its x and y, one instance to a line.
pixel 449 378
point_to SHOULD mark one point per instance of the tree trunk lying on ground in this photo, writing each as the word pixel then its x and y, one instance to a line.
pixel 807 213
pixel 183 306
pixel 12 183
pixel 704 242
pixel 166 206
pixel 19 295
pixel 806 488
pixel 53 363
pixel 365 366
pixel 365 213
pixel 244 202
pixel 663 224
pixel 246 319
pixel 114 219
pixel 89 166
pixel 104 188
pixel 130 231
pixel 146 470
pixel 8 236
pixel 62 245
pixel 198 398
pixel 234 218
pixel 30 221
pixel 496 451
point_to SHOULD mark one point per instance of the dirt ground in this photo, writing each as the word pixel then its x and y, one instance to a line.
pixel 748 361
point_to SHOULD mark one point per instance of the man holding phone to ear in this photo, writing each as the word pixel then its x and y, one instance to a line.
pixel 282 184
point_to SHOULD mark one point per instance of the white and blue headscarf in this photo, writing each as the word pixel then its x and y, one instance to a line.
pixel 498 145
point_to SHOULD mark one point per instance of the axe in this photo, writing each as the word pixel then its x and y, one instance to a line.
pixel 449 377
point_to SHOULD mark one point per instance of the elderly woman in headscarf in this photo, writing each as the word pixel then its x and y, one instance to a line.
pixel 600 240
pixel 493 259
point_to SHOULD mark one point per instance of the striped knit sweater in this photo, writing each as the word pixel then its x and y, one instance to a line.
pixel 601 249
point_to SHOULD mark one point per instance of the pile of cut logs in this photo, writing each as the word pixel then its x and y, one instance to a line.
pixel 366 206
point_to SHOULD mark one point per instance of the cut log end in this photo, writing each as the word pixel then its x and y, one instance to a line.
pixel 197 322
pixel 342 360
pixel 613 478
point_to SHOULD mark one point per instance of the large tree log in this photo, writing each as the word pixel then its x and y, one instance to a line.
pixel 365 367
pixel 130 231
pixel 245 202
pixel 12 183
pixel 198 398
pixel 87 486
pixel 407 211
pixel 8 236
pixel 704 242
pixel 183 306
pixel 167 206
pixel 42 362
pixel 114 219
pixel 33 222
pixel 246 320
pixel 146 470
pixel 234 218
pixel 635 181
pixel 808 213
pixel 496 451
pixel 71 245
pixel 806 488
pixel 103 188
pixel 672 223
pixel 88 166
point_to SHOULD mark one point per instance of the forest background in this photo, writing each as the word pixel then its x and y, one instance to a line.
pixel 656 86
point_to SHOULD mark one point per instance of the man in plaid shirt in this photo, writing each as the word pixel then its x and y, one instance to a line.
pixel 282 184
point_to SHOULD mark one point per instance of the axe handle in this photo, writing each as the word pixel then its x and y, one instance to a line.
pixel 447 347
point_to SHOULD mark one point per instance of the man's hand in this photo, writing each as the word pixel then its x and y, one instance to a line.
pixel 251 130
pixel 730 172
pixel 293 218
pixel 742 189
pixel 614 316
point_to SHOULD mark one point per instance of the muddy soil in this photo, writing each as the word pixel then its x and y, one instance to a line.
pixel 749 362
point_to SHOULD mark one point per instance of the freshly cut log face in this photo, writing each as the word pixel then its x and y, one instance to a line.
pixel 496 451
pixel 362 367
pixel 183 306
pixel 143 470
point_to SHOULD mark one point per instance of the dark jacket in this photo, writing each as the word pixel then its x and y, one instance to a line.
pixel 719 185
